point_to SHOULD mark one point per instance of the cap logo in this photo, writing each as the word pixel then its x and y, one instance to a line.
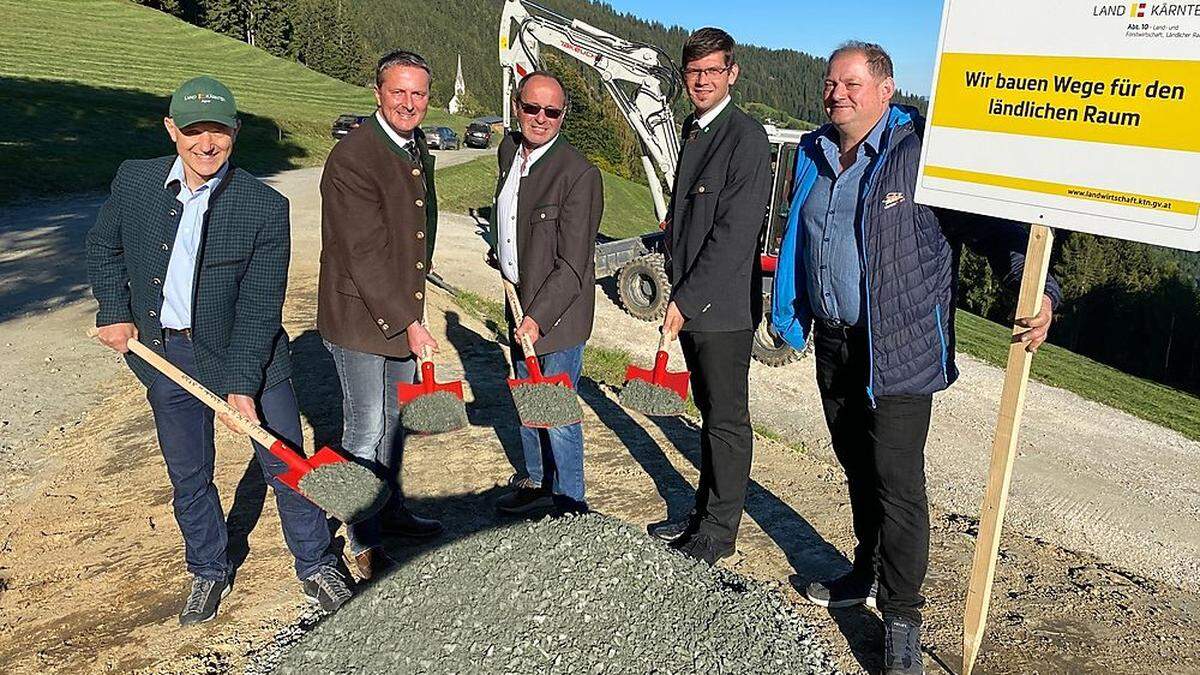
pixel 202 97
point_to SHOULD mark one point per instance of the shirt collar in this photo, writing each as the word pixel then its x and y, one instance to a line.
pixel 708 117
pixel 399 140
pixel 537 153
pixel 176 176
pixel 871 144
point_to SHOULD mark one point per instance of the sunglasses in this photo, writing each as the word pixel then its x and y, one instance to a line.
pixel 532 109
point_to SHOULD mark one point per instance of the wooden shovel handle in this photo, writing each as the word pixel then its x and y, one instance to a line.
pixel 514 302
pixel 218 404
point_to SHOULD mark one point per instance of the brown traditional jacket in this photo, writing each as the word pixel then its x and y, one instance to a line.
pixel 378 223
pixel 559 206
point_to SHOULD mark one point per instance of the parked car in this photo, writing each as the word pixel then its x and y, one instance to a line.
pixel 344 124
pixel 441 138
pixel 478 135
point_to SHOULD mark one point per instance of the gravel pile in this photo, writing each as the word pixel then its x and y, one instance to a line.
pixel 347 491
pixel 434 413
pixel 584 594
pixel 650 399
pixel 546 405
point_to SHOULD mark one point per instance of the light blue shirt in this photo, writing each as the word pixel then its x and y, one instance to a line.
pixel 181 270
pixel 830 214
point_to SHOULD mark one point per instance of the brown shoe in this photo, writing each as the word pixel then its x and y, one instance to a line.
pixel 371 562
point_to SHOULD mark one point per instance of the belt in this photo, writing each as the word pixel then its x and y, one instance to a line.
pixel 838 327
pixel 185 332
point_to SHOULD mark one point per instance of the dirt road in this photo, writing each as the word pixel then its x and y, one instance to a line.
pixel 90 571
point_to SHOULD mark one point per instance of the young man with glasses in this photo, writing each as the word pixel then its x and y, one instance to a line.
pixel 718 204
pixel 546 213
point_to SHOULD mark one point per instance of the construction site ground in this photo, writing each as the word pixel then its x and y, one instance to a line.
pixel 1097 566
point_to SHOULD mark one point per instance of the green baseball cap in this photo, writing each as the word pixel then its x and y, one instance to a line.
pixel 203 99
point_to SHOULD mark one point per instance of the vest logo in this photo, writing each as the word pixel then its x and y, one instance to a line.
pixel 892 199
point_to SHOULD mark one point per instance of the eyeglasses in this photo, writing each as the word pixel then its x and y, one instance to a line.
pixel 532 109
pixel 695 73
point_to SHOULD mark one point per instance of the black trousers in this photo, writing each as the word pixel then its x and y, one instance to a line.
pixel 882 450
pixel 720 367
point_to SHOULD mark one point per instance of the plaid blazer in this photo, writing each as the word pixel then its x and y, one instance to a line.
pixel 241 273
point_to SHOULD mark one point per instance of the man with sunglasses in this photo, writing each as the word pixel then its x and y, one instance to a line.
pixel 546 213
pixel 718 204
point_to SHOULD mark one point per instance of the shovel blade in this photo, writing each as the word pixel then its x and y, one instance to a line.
pixel 427 385
pixel 296 471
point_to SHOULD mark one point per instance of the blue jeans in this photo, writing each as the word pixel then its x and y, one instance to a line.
pixel 185 434
pixel 554 457
pixel 371 430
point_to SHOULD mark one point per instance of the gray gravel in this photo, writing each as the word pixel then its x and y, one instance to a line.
pixel 586 594
pixel 434 413
pixel 347 491
pixel 546 405
pixel 650 399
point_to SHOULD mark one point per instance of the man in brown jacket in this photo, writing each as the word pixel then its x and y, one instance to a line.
pixel 378 220
pixel 549 200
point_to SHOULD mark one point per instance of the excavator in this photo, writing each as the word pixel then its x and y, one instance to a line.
pixel 644 82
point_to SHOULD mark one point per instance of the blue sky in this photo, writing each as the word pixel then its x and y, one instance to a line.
pixel 908 30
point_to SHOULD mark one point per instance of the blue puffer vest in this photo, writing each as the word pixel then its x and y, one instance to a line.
pixel 909 264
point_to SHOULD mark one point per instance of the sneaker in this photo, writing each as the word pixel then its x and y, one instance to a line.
pixel 902 647
pixel 671 530
pixel 203 600
pixel 327 587
pixel 701 547
pixel 848 590
pixel 526 496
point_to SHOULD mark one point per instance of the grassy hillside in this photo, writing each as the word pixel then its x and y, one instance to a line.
pixel 628 208
pixel 86 84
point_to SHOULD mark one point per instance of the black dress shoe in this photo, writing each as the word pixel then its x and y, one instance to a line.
pixel 672 530
pixel 702 547
pixel 401 522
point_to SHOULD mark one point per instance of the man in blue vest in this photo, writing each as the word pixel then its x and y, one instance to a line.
pixel 189 255
pixel 872 276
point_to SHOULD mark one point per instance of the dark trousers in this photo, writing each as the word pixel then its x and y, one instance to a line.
pixel 185 435
pixel 882 450
pixel 720 367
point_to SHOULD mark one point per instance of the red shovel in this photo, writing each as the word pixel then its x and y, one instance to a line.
pixel 428 383
pixel 659 377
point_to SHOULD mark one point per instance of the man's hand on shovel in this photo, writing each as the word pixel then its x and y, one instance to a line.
pixel 419 338
pixel 245 405
pixel 116 336
pixel 530 329
pixel 672 322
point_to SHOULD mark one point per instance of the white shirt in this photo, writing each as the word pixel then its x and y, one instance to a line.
pixel 395 136
pixel 181 269
pixel 707 118
pixel 506 208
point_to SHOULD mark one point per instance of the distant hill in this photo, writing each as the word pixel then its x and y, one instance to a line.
pixel 86 84
pixel 783 79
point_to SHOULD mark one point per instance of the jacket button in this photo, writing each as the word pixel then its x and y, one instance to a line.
pixel 173 212
pixel 157 343
pixel 156 281
pixel 166 248
pixel 385 326
pixel 701 189
pixel 420 265
pixel 420 202
pixel 418 295
pixel 542 215
pixel 420 235
pixel 380 322
pixel 152 313
pixel 416 172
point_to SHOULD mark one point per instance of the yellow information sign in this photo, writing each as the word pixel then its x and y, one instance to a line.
pixel 1072 114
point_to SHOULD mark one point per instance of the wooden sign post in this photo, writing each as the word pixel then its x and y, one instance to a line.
pixel 1004 448
pixel 1071 113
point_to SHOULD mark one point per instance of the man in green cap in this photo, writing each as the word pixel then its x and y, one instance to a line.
pixel 189 255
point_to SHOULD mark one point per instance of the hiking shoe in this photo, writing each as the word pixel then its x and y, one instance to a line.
pixel 327 587
pixel 203 600
pixel 902 647
pixel 526 496
pixel 848 590
pixel 702 547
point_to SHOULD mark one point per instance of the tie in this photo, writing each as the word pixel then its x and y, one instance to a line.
pixel 411 148
pixel 694 132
